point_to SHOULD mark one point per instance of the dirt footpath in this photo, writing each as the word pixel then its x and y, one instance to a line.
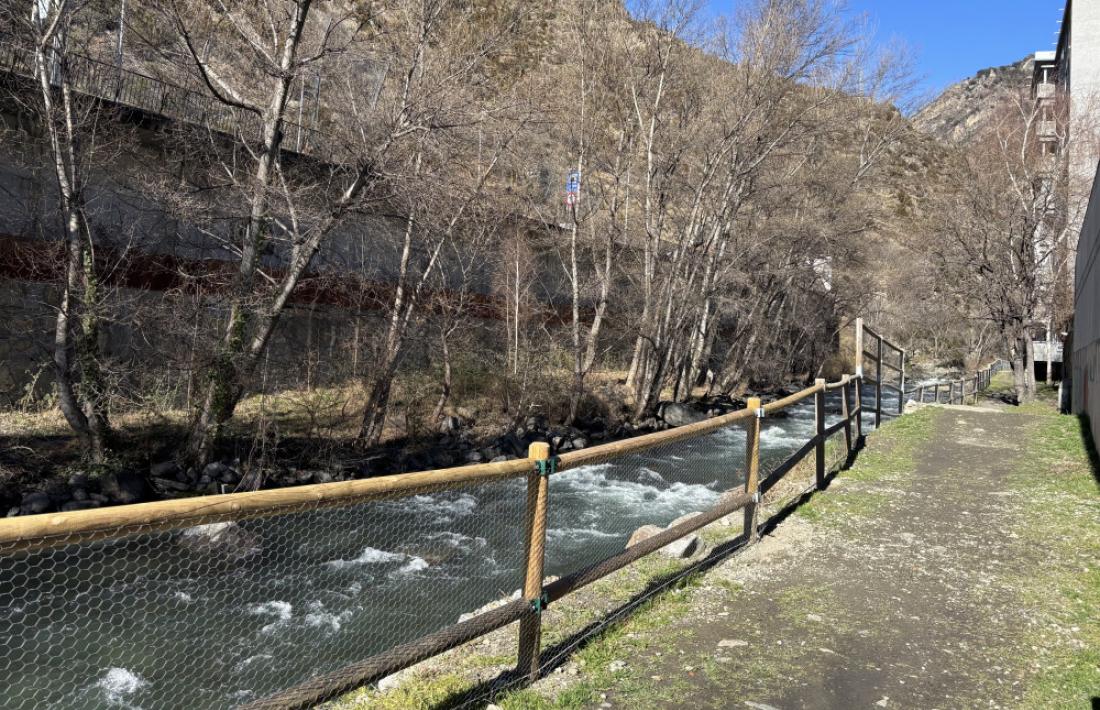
pixel 914 581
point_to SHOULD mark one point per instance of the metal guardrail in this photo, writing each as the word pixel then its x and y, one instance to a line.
pixel 152 95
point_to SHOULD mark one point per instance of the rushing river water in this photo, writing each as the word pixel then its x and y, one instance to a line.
pixel 145 623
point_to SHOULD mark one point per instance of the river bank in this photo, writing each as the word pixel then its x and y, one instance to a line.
pixel 239 602
pixel 954 564
pixel 38 476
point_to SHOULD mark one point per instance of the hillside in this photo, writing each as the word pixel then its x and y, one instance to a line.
pixel 960 112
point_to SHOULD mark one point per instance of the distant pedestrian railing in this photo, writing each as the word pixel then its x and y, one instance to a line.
pixel 888 361
pixel 134 90
pixel 960 390
pixel 290 597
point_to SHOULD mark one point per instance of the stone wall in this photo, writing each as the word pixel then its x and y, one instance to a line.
pixel 25 336
pixel 154 343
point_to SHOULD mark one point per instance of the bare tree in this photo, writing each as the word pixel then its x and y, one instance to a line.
pixel 444 177
pixel 757 107
pixel 70 124
pixel 998 228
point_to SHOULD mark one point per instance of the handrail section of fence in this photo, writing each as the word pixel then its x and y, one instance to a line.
pixel 882 357
pixel 960 390
pixel 252 589
pixel 156 96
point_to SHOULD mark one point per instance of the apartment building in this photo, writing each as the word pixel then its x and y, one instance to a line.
pixel 1074 69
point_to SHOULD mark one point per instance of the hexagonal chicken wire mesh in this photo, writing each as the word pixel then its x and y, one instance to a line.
pixel 233 610
pixel 220 614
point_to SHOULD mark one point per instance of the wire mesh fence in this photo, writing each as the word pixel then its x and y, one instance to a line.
pixel 125 87
pixel 312 599
pixel 224 613
pixel 597 507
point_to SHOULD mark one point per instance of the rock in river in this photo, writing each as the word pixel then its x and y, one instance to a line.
pixel 676 414
pixel 225 539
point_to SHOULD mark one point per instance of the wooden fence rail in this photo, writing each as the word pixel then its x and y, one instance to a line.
pixel 959 391
pixel 22 534
pixel 536 595
pixel 878 358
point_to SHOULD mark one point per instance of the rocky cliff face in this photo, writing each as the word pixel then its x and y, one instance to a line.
pixel 961 111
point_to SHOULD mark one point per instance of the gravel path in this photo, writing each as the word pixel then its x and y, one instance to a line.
pixel 916 603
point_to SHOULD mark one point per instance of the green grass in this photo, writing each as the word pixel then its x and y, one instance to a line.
pixel 1046 396
pixel 891 454
pixel 1001 383
pixel 424 694
pixel 621 641
pixel 1064 520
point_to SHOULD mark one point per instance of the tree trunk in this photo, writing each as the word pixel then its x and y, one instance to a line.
pixel 377 405
pixel 445 385
pixel 83 406
pixel 1022 364
pixel 1050 351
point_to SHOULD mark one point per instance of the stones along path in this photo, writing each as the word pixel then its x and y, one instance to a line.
pixel 910 583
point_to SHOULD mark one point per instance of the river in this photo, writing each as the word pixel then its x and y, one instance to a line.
pixel 144 623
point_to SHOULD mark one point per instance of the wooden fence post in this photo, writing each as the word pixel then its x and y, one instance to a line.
pixel 878 383
pixel 819 417
pixel 936 393
pixel 752 466
pixel 846 411
pixel 859 347
pixel 859 408
pixel 530 626
pixel 901 395
pixel 920 394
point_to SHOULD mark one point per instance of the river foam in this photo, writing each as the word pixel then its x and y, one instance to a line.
pixel 117 684
pixel 600 495
pixel 369 556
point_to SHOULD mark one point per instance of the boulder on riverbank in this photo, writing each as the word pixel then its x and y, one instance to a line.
pixel 643 533
pixel 678 549
pixel 227 540
pixel 125 487
pixel 678 414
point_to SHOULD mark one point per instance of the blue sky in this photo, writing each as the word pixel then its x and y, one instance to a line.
pixel 955 38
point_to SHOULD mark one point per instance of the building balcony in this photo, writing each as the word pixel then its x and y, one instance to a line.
pixel 1041 351
pixel 1047 130
pixel 1044 91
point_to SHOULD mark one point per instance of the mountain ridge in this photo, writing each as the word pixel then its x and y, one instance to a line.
pixel 963 109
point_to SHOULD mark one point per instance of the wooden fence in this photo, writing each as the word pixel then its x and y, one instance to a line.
pixel 31 533
pixel 884 356
pixel 961 390
pixel 539 466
